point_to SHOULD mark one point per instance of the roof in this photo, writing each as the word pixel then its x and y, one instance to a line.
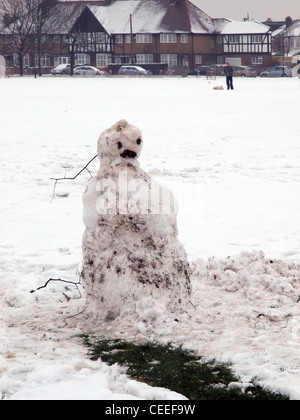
pixel 220 23
pixel 63 17
pixel 199 20
pixel 149 16
pixel 245 27
pixel 293 30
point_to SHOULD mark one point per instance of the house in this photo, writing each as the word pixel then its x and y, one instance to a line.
pixel 247 43
pixel 154 33
pixel 286 40
pixel 174 33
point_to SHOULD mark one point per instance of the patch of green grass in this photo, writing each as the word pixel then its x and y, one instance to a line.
pixel 177 369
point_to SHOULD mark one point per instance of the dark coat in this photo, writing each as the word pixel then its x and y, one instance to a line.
pixel 228 70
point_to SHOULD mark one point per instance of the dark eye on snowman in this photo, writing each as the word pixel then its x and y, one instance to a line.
pixel 120 145
pixel 139 141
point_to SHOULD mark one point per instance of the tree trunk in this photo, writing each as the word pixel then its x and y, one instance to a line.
pixel 21 63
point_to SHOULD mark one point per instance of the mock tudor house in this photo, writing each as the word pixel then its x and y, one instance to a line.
pixel 157 34
pixel 247 43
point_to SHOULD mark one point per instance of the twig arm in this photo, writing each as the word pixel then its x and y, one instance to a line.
pixel 61 280
pixel 80 172
pixel 85 168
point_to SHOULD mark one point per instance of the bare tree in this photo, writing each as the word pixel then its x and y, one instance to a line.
pixel 65 20
pixel 41 13
pixel 18 23
pixel 25 22
pixel 74 32
pixel 282 45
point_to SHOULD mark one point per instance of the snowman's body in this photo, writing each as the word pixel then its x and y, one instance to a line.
pixel 131 253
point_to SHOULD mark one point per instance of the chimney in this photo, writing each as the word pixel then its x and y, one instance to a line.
pixel 288 22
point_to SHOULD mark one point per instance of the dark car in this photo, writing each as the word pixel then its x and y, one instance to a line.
pixel 202 71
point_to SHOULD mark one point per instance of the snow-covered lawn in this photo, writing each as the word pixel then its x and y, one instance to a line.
pixel 232 158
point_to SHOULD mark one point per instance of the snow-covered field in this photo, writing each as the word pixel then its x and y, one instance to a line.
pixel 232 158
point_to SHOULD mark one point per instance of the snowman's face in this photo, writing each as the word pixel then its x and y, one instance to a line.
pixel 121 140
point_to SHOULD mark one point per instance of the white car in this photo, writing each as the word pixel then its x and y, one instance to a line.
pixel 88 71
pixel 61 69
pixel 133 70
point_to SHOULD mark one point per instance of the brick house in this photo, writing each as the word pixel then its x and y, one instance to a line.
pixel 153 33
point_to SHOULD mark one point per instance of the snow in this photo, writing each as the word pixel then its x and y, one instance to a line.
pixel 146 16
pixel 232 161
pixel 200 21
pixel 293 30
pixel 247 27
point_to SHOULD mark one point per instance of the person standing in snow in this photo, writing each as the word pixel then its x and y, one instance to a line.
pixel 228 71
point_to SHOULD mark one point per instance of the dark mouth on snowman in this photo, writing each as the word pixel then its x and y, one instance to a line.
pixel 128 154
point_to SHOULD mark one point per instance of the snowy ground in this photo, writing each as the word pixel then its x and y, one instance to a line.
pixel 232 160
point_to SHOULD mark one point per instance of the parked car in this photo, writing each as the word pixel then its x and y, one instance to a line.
pixel 85 70
pixel 133 70
pixel 202 71
pixel 61 69
pixel 278 71
pixel 244 71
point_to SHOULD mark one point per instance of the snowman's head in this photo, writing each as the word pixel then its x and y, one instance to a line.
pixel 122 140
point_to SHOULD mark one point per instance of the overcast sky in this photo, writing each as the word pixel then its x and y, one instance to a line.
pixel 257 9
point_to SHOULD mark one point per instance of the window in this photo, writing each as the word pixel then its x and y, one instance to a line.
pixel 45 39
pixel 144 58
pixel 256 39
pixel 99 37
pixel 128 39
pixel 184 38
pixel 82 59
pixel 257 59
pixel 298 42
pixel 234 39
pixel 212 43
pixel 143 39
pixel 198 59
pixel 219 39
pixel 61 60
pixel 168 38
pixel 17 61
pixel 103 60
pixel 45 61
pixel 119 39
pixel 170 59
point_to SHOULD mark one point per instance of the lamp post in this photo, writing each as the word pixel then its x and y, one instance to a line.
pixel 71 42
pixel 131 40
pixel 34 58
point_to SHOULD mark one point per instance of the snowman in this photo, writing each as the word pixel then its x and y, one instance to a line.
pixel 133 262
